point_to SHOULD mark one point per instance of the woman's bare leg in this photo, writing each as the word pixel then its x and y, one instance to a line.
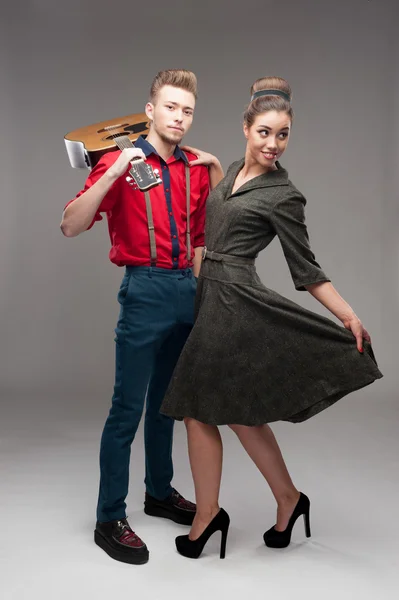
pixel 205 451
pixel 262 447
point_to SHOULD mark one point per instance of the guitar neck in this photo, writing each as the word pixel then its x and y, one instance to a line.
pixel 122 141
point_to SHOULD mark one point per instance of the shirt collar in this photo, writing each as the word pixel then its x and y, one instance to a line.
pixel 148 149
pixel 269 179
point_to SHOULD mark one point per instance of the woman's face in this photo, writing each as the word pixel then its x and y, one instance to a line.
pixel 267 138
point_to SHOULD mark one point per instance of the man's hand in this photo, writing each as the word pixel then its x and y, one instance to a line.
pixel 124 160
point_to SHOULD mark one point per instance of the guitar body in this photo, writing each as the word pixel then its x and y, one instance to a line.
pixel 86 145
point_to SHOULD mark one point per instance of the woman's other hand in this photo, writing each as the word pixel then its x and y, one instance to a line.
pixel 356 327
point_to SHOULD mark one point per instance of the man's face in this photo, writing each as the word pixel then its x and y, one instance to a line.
pixel 172 114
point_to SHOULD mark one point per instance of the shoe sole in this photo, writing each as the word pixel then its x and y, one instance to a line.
pixel 163 513
pixel 139 559
pixel 277 545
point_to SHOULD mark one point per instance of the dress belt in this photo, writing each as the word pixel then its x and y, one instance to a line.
pixel 227 258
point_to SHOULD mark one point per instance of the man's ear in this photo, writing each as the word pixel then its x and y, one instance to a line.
pixel 149 111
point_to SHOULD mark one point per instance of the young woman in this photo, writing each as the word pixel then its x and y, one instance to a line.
pixel 253 356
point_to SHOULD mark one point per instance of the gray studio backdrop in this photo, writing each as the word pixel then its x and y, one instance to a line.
pixel 66 65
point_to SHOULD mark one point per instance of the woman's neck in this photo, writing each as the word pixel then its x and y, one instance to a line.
pixel 252 168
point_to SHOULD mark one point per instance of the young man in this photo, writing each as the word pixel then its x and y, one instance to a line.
pixel 157 301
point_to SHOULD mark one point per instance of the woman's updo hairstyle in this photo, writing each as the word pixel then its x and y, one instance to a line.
pixel 269 93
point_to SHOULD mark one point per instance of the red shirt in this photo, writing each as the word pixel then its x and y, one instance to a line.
pixel 127 217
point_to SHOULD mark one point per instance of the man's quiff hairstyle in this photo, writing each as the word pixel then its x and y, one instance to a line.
pixel 179 78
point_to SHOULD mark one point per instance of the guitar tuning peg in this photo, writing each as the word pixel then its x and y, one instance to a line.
pixel 128 178
pixel 156 171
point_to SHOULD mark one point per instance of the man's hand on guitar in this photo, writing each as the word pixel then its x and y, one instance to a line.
pixel 124 160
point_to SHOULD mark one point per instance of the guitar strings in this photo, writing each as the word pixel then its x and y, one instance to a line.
pixel 122 142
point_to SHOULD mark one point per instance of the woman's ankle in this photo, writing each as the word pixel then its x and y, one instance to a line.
pixel 208 513
pixel 288 497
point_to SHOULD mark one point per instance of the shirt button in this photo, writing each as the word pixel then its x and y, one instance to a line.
pixel 175 236
pixel 167 190
pixel 171 214
pixel 175 258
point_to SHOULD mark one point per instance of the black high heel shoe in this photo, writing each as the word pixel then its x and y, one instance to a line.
pixel 281 539
pixel 194 548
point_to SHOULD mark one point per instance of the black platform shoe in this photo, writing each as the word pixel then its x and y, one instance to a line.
pixel 281 539
pixel 174 507
pixel 120 542
pixel 194 548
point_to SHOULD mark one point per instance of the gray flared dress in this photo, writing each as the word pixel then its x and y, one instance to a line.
pixel 254 356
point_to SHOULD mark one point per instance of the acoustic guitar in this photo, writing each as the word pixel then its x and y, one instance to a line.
pixel 86 145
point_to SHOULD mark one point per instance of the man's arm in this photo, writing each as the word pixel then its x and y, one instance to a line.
pixel 80 213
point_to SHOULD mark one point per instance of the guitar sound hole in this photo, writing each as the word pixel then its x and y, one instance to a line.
pixel 128 129
pixel 137 127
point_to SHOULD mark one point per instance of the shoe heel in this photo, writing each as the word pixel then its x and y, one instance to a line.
pixel 281 539
pixel 223 543
pixel 194 548
pixel 306 521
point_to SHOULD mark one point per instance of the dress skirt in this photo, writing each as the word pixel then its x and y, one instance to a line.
pixel 256 357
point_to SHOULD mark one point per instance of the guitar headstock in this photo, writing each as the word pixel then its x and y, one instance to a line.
pixel 142 176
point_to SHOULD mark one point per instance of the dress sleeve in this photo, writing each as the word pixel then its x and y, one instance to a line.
pixel 109 199
pixel 288 221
